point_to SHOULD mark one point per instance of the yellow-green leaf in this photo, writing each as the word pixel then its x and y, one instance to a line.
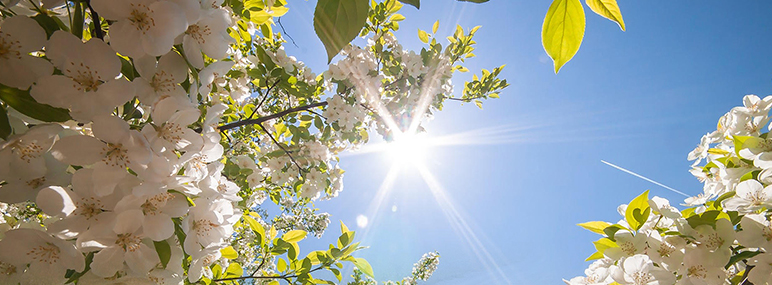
pixel 363 266
pixel 595 256
pixel 595 226
pixel 343 227
pixel 638 211
pixel 397 17
pixel 424 36
pixel 294 236
pixel 435 26
pixel 607 9
pixel 229 253
pixel 563 31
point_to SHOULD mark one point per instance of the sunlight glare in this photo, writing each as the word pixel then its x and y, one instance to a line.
pixel 408 149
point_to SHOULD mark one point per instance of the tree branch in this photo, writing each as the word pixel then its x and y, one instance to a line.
pixel 260 120
pixel 97 24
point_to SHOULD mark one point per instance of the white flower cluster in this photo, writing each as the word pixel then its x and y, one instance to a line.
pixel 724 237
pixel 346 115
pixel 426 266
pixel 113 188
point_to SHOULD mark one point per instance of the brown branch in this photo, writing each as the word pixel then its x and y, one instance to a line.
pixel 97 25
pixel 260 120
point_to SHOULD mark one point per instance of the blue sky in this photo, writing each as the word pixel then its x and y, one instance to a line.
pixel 640 99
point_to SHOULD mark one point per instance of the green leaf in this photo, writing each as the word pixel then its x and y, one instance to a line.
pixel 741 256
pixel 164 251
pixel 638 211
pixel 414 3
pixel 5 125
pixel 424 36
pixel 294 236
pixel 343 227
pixel 281 265
pixel 595 226
pixel 229 253
pixel 256 227
pixel 338 22
pixel 25 104
pixel 363 266
pixel 563 31
pixel 77 20
pixel 607 9
pixel 435 26
pixel 234 270
pixel 48 24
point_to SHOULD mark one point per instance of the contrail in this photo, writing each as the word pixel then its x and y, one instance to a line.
pixel 644 178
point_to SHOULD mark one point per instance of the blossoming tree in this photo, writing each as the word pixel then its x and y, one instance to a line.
pixel 725 237
pixel 142 140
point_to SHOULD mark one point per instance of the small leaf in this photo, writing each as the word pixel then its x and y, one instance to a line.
pixel 423 36
pixel 294 236
pixel 638 211
pixel 281 266
pixel 338 22
pixel 595 256
pixel 21 101
pixel 229 253
pixel 478 103
pixel 234 270
pixel 595 226
pixel 414 3
pixel 164 251
pixel 343 227
pixel 5 125
pixel 435 26
pixel 563 31
pixel 363 266
pixel 607 9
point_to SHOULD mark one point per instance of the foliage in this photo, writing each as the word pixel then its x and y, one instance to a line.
pixel 175 142
pixel 563 28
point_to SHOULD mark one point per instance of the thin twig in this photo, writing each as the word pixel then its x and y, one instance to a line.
pixel 282 148
pixel 265 97
pixel 278 20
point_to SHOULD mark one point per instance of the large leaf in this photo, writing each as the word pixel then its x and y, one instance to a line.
pixel 563 31
pixel 25 104
pixel 338 22
pixel 414 3
pixel 608 9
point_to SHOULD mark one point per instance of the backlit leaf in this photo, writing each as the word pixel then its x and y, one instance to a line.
pixel 607 9
pixel 338 22
pixel 563 31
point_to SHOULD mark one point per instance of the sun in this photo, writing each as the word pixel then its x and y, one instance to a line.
pixel 408 149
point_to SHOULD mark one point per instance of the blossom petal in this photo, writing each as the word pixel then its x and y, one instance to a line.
pixel 55 201
pixel 78 150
